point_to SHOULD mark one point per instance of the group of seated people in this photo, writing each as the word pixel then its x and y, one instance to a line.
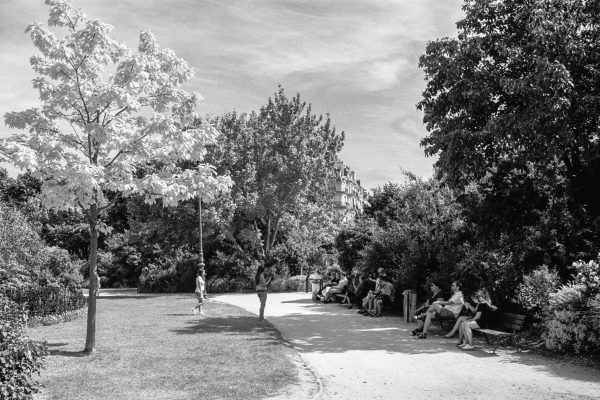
pixel 469 315
pixel 371 294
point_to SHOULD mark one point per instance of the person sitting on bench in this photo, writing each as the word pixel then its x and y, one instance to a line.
pixel 361 290
pixel 484 318
pixel 331 291
pixel 386 289
pixel 469 311
pixel 442 310
pixel 437 294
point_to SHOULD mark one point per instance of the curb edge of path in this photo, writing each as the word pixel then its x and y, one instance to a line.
pixel 303 364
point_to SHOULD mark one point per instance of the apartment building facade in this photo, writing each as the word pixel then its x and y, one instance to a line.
pixel 347 192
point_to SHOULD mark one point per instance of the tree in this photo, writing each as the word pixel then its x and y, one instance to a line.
pixel 94 128
pixel 276 157
pixel 513 111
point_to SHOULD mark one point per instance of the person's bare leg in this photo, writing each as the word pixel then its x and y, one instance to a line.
pixel 468 332
pixel 428 318
pixel 456 326
pixel 461 334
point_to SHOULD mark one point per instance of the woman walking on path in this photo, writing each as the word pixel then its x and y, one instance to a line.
pixel 261 290
pixel 199 292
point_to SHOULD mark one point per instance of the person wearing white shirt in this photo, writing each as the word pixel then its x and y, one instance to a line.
pixel 443 309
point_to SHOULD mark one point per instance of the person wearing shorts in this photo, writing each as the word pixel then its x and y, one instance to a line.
pixel 199 292
pixel 443 309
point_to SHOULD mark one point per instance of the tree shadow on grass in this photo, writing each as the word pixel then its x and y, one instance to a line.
pixel 63 353
pixel 227 325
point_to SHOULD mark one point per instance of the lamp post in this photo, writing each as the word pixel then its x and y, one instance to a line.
pixel 201 264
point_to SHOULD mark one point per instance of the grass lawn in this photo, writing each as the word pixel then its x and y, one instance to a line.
pixel 153 347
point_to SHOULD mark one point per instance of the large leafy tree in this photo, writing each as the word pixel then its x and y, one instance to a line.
pixel 277 158
pixel 94 127
pixel 512 107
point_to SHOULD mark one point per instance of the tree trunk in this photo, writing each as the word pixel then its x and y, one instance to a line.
pixel 90 338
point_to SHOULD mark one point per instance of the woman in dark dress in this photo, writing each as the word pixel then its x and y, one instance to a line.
pixel 485 316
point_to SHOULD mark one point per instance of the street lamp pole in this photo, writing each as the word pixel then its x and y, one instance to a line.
pixel 201 264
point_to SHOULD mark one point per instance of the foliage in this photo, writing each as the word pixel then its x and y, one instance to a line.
pixel 352 240
pixel 95 127
pixel 512 111
pixel 26 259
pixel 574 323
pixel 20 357
pixel 43 301
pixel 310 235
pixel 534 292
pixel 278 157
pixel 424 237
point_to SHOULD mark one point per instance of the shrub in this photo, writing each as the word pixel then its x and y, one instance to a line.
pixel 21 358
pixel 43 301
pixel 227 285
pixel 534 292
pixel 574 323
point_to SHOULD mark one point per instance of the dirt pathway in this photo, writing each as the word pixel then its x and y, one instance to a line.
pixel 359 357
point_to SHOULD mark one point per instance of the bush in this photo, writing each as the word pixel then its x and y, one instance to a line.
pixel 574 323
pixel 534 293
pixel 21 358
pixel 288 284
pixel 43 301
pixel 227 285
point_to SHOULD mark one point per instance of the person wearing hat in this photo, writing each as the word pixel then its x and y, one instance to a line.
pixel 199 292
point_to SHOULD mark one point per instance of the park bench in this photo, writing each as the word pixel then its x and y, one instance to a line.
pixel 509 324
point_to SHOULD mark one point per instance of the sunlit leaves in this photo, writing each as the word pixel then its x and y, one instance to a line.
pixel 95 127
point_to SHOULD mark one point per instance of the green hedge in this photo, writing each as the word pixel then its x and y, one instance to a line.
pixel 43 301
pixel 20 358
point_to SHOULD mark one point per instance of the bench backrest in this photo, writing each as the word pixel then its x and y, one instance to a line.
pixel 509 321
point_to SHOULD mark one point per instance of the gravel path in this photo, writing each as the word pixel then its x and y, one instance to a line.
pixel 358 357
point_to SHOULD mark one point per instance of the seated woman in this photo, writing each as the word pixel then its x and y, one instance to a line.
pixel 361 288
pixel 386 290
pixel 437 294
pixel 333 290
pixel 484 318
pixel 469 311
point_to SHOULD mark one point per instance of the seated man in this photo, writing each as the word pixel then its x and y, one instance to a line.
pixel 437 294
pixel 442 310
pixel 333 290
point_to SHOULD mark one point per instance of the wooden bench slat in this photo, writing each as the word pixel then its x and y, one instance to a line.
pixel 493 332
pixel 513 316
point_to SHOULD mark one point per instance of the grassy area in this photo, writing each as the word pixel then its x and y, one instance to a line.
pixel 152 347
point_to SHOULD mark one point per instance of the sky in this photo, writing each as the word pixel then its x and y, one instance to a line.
pixel 354 60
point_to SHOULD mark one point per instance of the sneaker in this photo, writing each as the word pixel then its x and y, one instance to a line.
pixel 422 336
pixel 194 310
pixel 361 311
pixel 461 345
pixel 414 332
pixel 468 347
